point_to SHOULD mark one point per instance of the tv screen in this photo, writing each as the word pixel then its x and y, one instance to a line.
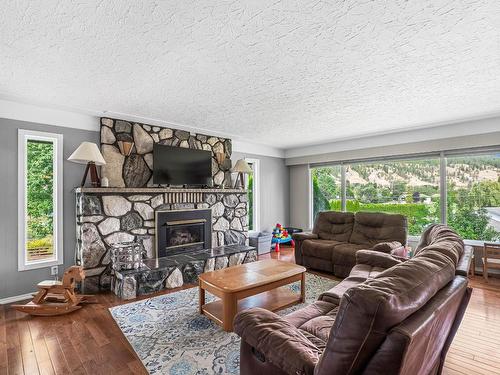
pixel 181 166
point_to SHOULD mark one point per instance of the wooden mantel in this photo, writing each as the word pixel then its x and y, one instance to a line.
pixel 154 190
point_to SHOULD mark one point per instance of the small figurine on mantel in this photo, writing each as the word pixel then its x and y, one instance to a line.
pixel 241 167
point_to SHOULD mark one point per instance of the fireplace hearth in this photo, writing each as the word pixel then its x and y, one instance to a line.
pixel 181 231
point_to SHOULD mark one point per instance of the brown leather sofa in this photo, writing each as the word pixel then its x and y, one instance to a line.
pixel 337 236
pixel 399 318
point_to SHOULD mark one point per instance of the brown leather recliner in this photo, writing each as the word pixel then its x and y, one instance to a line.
pixel 337 236
pixel 400 320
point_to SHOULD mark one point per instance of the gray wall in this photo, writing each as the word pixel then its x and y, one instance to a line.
pixel 12 282
pixel 299 196
pixel 274 200
pixel 274 191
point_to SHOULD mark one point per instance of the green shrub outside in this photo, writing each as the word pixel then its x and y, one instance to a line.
pixel 42 242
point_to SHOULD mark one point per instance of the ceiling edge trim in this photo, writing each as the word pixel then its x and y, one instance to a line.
pixel 422 134
pixel 89 120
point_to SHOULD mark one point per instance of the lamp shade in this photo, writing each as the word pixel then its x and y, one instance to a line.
pixel 87 152
pixel 242 166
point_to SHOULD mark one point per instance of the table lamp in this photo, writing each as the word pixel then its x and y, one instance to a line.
pixel 88 153
pixel 241 167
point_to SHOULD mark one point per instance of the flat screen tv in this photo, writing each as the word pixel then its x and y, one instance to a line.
pixel 181 166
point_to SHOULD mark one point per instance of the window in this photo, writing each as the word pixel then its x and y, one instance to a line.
pixel 326 189
pixel 407 187
pixel 462 190
pixel 473 198
pixel 40 199
pixel 252 184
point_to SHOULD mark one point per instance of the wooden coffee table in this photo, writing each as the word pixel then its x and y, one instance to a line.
pixel 256 284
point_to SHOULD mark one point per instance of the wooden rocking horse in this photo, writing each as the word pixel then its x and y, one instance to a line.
pixel 57 297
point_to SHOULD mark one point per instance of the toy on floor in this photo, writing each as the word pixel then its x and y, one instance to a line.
pixel 281 236
pixel 57 297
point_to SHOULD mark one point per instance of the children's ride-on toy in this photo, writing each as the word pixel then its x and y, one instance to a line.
pixel 57 297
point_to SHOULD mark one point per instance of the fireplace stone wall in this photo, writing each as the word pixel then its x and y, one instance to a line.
pixel 108 215
pixel 136 170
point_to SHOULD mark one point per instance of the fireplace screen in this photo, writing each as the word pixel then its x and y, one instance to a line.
pixel 185 234
pixel 182 231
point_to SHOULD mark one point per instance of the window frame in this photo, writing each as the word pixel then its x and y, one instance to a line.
pixel 256 193
pixel 442 156
pixel 57 140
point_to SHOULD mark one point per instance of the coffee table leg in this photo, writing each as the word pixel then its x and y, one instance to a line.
pixel 229 308
pixel 201 299
pixel 303 287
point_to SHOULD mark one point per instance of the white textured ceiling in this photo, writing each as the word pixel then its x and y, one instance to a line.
pixel 284 73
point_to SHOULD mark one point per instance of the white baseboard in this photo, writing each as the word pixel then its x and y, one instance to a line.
pixel 5 301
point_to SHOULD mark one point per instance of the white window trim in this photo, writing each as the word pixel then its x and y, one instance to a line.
pixel 57 139
pixel 256 193
pixel 310 197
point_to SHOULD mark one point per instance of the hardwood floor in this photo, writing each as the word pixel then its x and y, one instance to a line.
pixel 88 341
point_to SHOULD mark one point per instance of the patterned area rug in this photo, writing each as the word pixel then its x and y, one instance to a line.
pixel 171 337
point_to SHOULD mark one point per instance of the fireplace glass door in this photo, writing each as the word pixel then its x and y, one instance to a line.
pixel 185 235
pixel 183 231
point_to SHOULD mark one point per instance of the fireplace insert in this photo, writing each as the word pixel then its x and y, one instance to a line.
pixel 182 231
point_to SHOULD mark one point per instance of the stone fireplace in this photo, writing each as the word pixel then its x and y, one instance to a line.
pixel 180 231
pixel 109 215
pixel 184 230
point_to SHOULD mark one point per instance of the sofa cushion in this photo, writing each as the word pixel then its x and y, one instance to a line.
pixel 345 253
pixel 387 247
pixel 300 317
pixel 317 263
pixel 360 273
pixel 376 259
pixel 371 228
pixel 316 319
pixel 334 225
pixel 443 239
pixel 319 248
pixel 292 350
pixel 366 271
pixel 321 326
pixel 335 294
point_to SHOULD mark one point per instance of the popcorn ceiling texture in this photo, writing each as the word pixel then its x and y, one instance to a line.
pixel 277 72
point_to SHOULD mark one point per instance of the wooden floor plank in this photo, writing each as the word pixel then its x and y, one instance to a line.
pixel 88 341
pixel 14 354
pixel 57 356
pixel 3 343
pixel 41 352
pixel 30 364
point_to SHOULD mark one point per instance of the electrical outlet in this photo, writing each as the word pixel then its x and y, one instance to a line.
pixel 54 270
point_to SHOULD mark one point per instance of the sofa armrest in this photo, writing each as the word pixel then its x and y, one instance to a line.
pixel 302 236
pixel 281 343
pixel 376 259
pixel 387 247
pixel 464 262
pixel 299 238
